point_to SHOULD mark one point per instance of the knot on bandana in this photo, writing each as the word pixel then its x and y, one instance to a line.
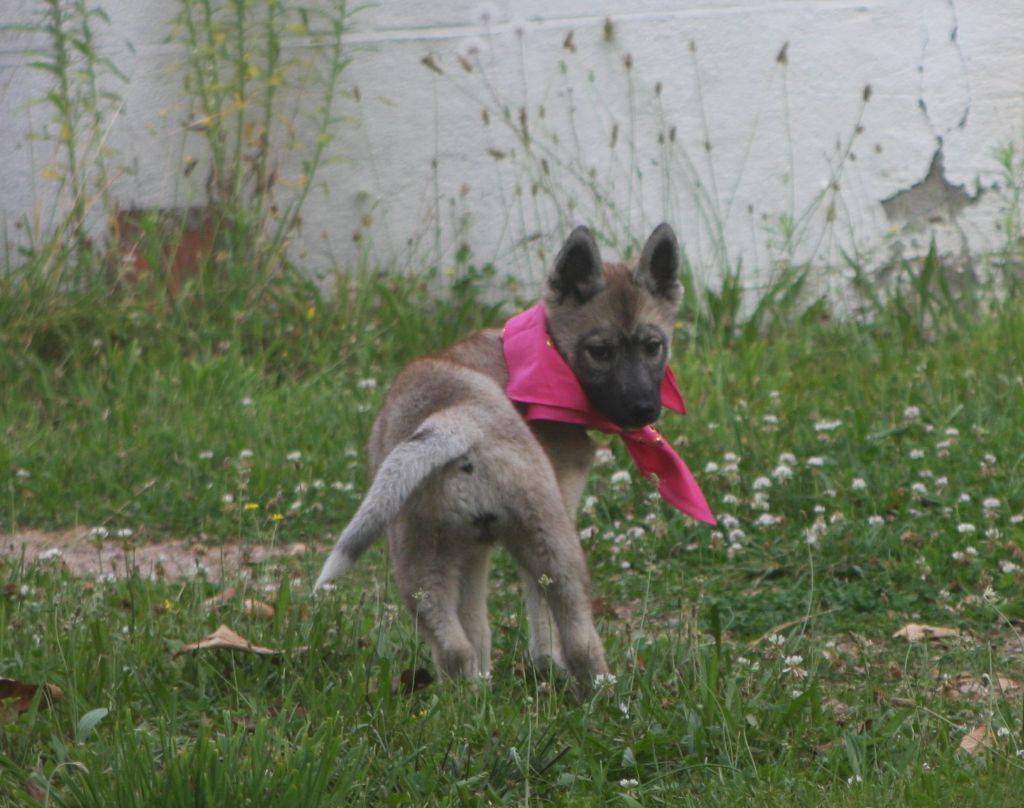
pixel 542 381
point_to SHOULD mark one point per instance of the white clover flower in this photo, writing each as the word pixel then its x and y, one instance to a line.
pixel 627 782
pixel 368 383
pixel 990 459
pixel 711 467
pixel 816 462
pixel 1006 567
pixel 50 555
pixel 760 502
pixel 965 528
pixel 206 455
pixel 916 454
pixel 99 533
pixel 958 555
pixel 603 456
pixel 876 521
pixel 227 499
pixel 605 679
pixel 247 402
pixel 294 457
pixel 736 535
pixel 827 425
pixel 793 661
pixel 587 533
pixel 814 533
pixel 733 550
pixel 730 457
pixel 964 497
pixel 1017 518
pixel 993 534
pixel 767 520
pixel 858 484
pixel 912 413
pixel 762 483
pixel 774 395
pixel 23 474
pixel 770 420
pixel 245 454
pixel 919 488
pixel 730 499
pixel 621 477
pixel 589 503
pixel 730 468
pixel 971 551
pixel 776 639
pixel 991 504
pixel 782 473
pixel 787 459
pixel 124 533
pixel 727 520
pixel 952 432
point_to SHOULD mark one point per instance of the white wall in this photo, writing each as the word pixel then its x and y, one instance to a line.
pixel 949 73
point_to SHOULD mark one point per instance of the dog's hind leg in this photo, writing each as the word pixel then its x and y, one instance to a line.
pixel 429 581
pixel 545 646
pixel 473 605
pixel 548 551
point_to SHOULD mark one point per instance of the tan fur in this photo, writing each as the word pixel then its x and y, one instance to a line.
pixel 499 481
pixel 442 542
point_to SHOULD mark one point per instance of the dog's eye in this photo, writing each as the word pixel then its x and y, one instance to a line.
pixel 599 353
pixel 652 347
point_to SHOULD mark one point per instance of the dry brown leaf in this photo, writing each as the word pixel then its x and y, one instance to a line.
pixel 253 608
pixel 220 599
pixel 224 637
pixel 970 686
pixel 257 608
pixel 915 632
pixel 16 697
pixel 840 711
pixel 409 680
pixel 613 611
pixel 297 549
pixel 976 740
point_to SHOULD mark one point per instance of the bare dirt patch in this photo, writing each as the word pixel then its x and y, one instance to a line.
pixel 85 555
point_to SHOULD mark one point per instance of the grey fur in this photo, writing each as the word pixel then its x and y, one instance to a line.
pixel 457 470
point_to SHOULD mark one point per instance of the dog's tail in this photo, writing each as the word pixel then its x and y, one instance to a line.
pixel 440 439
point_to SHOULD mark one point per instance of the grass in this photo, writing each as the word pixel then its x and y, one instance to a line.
pixel 133 410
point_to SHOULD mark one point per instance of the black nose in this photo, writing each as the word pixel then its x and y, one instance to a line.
pixel 641 412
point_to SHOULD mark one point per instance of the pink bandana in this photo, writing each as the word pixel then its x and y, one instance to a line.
pixel 541 379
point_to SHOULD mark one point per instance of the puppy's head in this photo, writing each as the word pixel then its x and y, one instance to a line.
pixel 613 325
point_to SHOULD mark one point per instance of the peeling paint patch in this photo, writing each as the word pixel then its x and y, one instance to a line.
pixel 933 200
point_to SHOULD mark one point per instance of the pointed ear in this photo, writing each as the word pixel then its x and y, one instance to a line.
pixel 578 272
pixel 658 269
